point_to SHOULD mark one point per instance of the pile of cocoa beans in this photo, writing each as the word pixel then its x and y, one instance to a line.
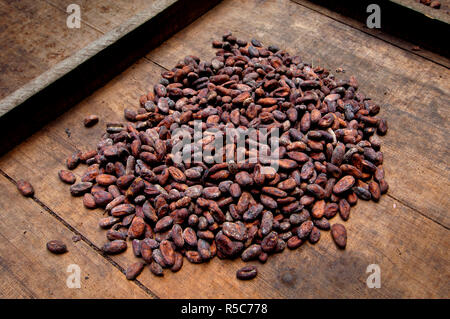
pixel 328 157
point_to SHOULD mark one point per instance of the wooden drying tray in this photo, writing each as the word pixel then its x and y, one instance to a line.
pixel 50 94
pixel 406 19
pixel 406 233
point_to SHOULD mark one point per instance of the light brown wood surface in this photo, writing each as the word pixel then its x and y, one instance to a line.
pixel 29 270
pixel 406 233
pixel 379 33
pixel 34 36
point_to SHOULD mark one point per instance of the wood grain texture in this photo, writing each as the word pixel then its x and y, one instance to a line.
pixel 408 241
pixel 33 38
pixel 104 15
pixel 378 33
pixel 406 19
pixel 29 270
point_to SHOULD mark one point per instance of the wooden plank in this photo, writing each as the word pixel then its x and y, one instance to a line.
pixel 74 78
pixel 411 250
pixel 29 270
pixel 414 93
pixel 378 33
pixel 105 15
pixel 419 24
pixel 33 38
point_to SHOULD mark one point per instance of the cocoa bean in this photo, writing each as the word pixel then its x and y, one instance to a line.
pixel 115 247
pixel 339 234
pixel 344 184
pixel 134 270
pixel 25 188
pixel 251 252
pixel 90 120
pixel 80 188
pixel 56 247
pixel 67 176
pixel 247 272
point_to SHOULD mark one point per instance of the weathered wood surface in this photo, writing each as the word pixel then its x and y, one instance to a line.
pixel 409 20
pixel 89 68
pixel 104 15
pixel 406 233
pixel 378 33
pixel 29 270
pixel 34 36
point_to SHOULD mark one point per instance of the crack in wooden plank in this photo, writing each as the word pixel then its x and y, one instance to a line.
pixel 417 211
pixel 156 63
pixel 83 238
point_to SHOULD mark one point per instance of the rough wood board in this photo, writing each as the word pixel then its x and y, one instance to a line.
pixel 33 38
pixel 411 249
pixel 104 15
pixel 378 33
pixel 29 270
pixel 82 55
pixel 414 93
pixel 74 78
pixel 406 19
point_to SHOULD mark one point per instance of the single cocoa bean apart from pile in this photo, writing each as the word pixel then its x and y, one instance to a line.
pixel 339 234
pixel 91 120
pixel 56 247
pixel 328 156
pixel 247 273
pixel 25 188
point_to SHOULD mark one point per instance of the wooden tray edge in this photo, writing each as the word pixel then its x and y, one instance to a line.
pixel 49 95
